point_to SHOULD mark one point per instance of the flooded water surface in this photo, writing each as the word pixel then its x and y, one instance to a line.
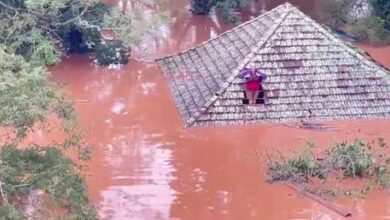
pixel 146 166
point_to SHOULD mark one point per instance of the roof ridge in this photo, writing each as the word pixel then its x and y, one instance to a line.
pixel 230 80
pixel 287 4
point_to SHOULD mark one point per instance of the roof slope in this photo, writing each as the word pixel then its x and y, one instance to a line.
pixel 311 74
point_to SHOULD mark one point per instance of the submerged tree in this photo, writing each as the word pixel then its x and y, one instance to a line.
pixel 27 99
pixel 372 27
pixel 382 10
pixel 228 8
pixel 34 34
pixel 41 30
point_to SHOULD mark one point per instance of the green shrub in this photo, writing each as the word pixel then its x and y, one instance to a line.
pixel 200 7
pixel 111 52
pixel 370 30
pixel 335 13
pixel 46 169
pixel 10 212
pixel 382 10
pixel 353 159
pixel 382 175
pixel 299 168
pixel 228 9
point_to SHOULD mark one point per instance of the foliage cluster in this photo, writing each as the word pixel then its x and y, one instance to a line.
pixel 42 30
pixel 227 8
pixel 357 160
pixel 44 168
pixel 373 29
pixel 111 52
pixel 27 98
pixel 297 169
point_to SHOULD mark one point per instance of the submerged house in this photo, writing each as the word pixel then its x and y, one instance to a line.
pixel 312 76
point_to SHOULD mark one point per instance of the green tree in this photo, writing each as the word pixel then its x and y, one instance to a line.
pixel 373 29
pixel 227 8
pixel 34 34
pixel 42 30
pixel 27 98
pixel 382 10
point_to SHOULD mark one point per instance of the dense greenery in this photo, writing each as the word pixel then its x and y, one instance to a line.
pixel 356 160
pixel 27 99
pixel 374 28
pixel 25 95
pixel 227 8
pixel 42 30
pixel 34 34
pixel 46 169
pixel 382 10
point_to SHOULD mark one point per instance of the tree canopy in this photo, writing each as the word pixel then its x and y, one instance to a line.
pixel 41 30
pixel 228 8
pixel 34 34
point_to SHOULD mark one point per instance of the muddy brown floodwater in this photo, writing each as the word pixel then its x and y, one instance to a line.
pixel 146 166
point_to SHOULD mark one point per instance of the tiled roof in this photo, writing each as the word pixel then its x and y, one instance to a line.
pixel 311 74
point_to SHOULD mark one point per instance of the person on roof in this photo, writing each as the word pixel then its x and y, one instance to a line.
pixel 253 78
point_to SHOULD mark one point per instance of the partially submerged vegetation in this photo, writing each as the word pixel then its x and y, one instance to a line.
pixel 322 173
pixel 41 183
pixel 26 101
pixel 367 21
pixel 42 31
pixel 227 8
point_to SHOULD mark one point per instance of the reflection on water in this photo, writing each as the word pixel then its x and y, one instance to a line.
pixel 146 166
pixel 149 196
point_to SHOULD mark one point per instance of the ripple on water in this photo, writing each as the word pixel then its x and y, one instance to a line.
pixel 144 192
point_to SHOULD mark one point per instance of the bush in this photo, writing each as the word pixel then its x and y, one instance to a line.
pixel 335 13
pixel 46 169
pixel 353 159
pixel 299 168
pixel 111 52
pixel 370 30
pixel 200 7
pixel 374 29
pixel 227 8
pixel 382 10
pixel 382 175
pixel 10 212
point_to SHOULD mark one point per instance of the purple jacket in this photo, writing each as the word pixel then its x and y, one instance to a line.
pixel 249 74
